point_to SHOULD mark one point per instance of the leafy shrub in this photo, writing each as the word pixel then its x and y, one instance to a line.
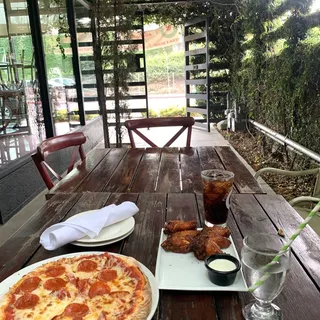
pixel 173 112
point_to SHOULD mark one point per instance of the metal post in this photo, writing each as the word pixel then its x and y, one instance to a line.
pixel 144 65
pixel 35 26
pixel 207 30
pixel 76 59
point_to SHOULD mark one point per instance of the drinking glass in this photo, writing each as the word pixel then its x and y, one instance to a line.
pixel 217 187
pixel 258 250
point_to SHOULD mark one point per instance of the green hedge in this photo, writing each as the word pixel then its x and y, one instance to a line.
pixel 160 62
pixel 278 83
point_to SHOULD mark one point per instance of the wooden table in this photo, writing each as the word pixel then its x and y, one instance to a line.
pixel 153 170
pixel 300 298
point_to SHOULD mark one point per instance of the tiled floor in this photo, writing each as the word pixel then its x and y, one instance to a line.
pixel 159 136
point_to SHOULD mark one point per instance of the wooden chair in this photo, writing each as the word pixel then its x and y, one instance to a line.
pixel 51 145
pixel 183 122
pixel 302 204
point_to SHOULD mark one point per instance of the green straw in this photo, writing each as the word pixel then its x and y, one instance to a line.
pixel 285 248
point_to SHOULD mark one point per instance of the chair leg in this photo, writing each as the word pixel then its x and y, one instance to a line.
pixel 189 137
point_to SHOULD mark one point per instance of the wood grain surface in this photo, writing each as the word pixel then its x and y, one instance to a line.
pixel 169 172
pixel 252 218
pixel 72 181
pixel 124 173
pixel 154 170
pixel 242 176
pixel 249 214
pixel 147 173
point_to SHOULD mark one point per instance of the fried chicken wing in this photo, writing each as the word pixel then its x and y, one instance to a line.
pixel 173 226
pixel 222 242
pixel 204 246
pixel 222 231
pixel 183 237
pixel 180 242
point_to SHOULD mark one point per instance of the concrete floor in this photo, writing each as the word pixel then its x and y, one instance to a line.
pixel 160 136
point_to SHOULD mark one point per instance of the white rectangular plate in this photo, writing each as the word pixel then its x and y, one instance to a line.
pixel 178 271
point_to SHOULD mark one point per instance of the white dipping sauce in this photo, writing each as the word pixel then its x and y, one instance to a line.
pixel 222 265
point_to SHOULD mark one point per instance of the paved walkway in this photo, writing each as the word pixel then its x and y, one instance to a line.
pixel 160 136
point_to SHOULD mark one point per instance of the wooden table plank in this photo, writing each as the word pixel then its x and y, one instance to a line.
pixel 169 173
pixel 228 305
pixel 18 249
pixel 124 173
pixel 143 244
pixel 251 218
pixel 72 181
pixel 190 170
pixel 182 206
pixel 243 180
pixel 285 217
pixel 209 158
pixel 182 304
pixel 101 175
pixel 146 175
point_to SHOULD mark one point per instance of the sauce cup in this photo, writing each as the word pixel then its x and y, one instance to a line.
pixel 222 269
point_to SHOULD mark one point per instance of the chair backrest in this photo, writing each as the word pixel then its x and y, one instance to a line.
pixel 183 122
pixel 51 145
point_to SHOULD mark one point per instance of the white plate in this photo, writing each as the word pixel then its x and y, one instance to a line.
pixel 114 231
pixel 177 271
pixel 102 243
pixel 7 283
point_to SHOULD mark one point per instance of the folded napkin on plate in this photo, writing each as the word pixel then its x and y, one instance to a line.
pixel 89 224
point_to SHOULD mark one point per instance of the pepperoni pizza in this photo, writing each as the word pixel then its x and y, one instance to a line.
pixel 97 286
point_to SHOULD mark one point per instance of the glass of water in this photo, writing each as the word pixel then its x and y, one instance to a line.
pixel 259 250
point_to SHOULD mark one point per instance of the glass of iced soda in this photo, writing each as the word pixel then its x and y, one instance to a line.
pixel 217 188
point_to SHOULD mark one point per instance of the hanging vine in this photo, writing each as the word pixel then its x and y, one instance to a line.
pixel 63 27
pixel 114 24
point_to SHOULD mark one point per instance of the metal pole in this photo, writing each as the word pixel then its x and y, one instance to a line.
pixel 280 138
pixel 144 65
pixel 76 59
pixel 35 26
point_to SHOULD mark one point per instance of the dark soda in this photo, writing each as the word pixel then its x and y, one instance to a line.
pixel 217 187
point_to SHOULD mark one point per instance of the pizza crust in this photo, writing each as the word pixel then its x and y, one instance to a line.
pixel 143 309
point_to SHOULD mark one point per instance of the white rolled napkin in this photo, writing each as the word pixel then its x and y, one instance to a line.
pixel 89 224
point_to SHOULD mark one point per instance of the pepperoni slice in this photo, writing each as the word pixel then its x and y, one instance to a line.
pixel 99 288
pixel 28 285
pixel 27 301
pixel 76 310
pixel 9 313
pixel 82 284
pixel 87 266
pixel 108 275
pixel 55 271
pixel 54 284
